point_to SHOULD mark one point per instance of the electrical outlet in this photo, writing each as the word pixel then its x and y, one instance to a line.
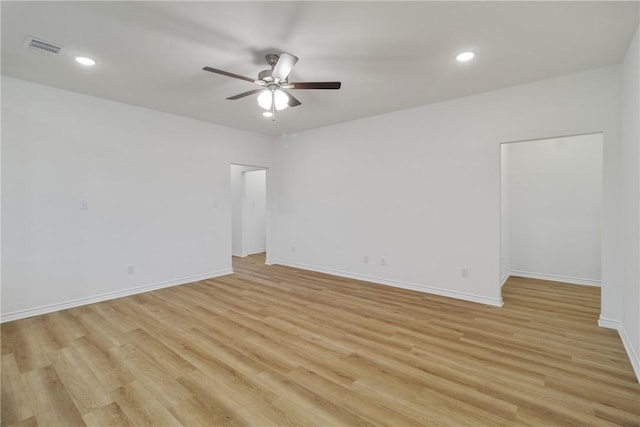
pixel 293 249
pixel 84 205
pixel 464 272
pixel 383 261
pixel 366 259
pixel 131 269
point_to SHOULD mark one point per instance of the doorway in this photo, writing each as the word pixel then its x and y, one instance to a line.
pixel 551 209
pixel 248 210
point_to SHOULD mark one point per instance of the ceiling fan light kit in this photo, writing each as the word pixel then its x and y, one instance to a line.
pixel 272 100
pixel 272 96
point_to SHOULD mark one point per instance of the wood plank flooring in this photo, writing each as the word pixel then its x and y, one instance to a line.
pixel 276 346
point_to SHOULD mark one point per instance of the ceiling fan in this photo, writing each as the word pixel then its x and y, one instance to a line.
pixel 273 93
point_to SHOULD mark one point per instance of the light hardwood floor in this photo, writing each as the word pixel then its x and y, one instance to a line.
pixel 272 345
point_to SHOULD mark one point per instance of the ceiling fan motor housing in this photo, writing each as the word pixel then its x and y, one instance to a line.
pixel 272 59
pixel 265 75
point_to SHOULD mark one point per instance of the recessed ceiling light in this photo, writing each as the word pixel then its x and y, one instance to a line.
pixel 85 61
pixel 465 56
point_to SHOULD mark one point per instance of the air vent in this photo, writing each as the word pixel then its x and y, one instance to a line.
pixel 42 46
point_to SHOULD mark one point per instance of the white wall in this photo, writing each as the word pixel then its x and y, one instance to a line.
pixel 505 261
pixel 236 208
pixel 254 234
pixel 150 180
pixel 554 208
pixel 421 187
pixel 629 279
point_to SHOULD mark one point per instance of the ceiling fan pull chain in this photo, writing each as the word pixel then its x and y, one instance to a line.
pixel 273 107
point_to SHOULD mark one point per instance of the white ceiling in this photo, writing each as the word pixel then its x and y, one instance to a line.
pixel 388 55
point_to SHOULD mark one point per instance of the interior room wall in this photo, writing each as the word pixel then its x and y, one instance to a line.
pixel 238 219
pixel 629 321
pixel 505 261
pixel 255 219
pixel 421 187
pixel 236 209
pixel 555 208
pixel 102 199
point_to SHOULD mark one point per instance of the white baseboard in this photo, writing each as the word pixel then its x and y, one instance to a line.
pixel 247 253
pixel 504 279
pixel 554 278
pixel 633 356
pixel 603 322
pixel 22 314
pixel 496 302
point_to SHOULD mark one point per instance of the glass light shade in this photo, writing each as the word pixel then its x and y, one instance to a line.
pixel 264 99
pixel 268 97
pixel 281 100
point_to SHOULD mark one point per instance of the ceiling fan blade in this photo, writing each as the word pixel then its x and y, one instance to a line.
pixel 293 101
pixel 315 85
pixel 284 66
pixel 243 94
pixel 228 74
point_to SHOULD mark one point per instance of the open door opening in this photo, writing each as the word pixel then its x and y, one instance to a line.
pixel 248 210
pixel 551 209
